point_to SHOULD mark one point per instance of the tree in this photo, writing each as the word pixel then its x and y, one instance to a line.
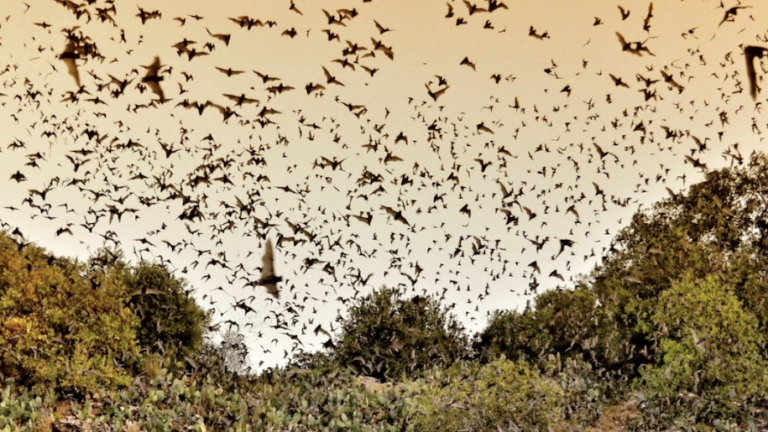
pixel 720 227
pixel 62 326
pixel 709 364
pixel 171 322
pixel 562 321
pixel 233 351
pixel 387 336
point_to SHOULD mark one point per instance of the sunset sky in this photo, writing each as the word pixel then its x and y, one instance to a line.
pixel 541 100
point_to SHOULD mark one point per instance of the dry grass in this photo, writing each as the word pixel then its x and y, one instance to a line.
pixel 617 418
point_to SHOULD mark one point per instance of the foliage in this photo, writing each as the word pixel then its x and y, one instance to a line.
pixel 233 351
pixel 387 336
pixel 212 399
pixel 171 323
pixel 61 326
pixel 563 321
pixel 709 365
pixel 719 227
pixel 27 411
pixel 586 390
pixel 76 326
pixel 209 398
pixel 501 395
pixel 619 319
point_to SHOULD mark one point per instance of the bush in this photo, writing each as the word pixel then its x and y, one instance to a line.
pixel 709 367
pixel 60 326
pixel 501 395
pixel 586 390
pixel 233 351
pixel 171 323
pixel 387 336
pixel 564 322
pixel 719 227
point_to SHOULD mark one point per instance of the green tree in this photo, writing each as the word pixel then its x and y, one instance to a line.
pixel 719 227
pixel 61 326
pixel 709 365
pixel 561 321
pixel 387 336
pixel 171 322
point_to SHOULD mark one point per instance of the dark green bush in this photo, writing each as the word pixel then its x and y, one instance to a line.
pixel 387 336
pixel 565 322
pixel 171 323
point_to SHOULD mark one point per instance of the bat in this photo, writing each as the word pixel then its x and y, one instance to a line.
pixel 750 52
pixel 268 278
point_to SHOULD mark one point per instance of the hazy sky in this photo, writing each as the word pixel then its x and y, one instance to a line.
pixel 580 129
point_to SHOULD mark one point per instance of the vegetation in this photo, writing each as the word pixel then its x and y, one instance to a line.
pixel 387 336
pixel 171 322
pixel 710 365
pixel 233 351
pixel 670 328
pixel 61 325
pixel 75 327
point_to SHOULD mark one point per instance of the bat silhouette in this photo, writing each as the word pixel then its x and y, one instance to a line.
pixel 69 57
pixel 436 94
pixel 750 52
pixel 468 63
pixel 152 78
pixel 266 78
pixel 268 278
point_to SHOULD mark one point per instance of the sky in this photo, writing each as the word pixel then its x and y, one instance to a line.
pixel 480 152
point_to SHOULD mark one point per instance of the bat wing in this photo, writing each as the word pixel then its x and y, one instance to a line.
pixel 750 53
pixel 72 69
pixel 68 57
pixel 267 262
pixel 622 41
pixel 156 89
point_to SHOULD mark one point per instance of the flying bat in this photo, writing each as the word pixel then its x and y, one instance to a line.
pixel 69 57
pixel 268 278
pixel 152 78
pixel 266 78
pixel 436 94
pixel 468 63
pixel 750 52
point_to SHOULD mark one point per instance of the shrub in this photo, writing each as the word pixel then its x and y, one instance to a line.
pixel 709 367
pixel 233 351
pixel 564 322
pixel 60 326
pixel 586 390
pixel 171 323
pixel 387 336
pixel 501 395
